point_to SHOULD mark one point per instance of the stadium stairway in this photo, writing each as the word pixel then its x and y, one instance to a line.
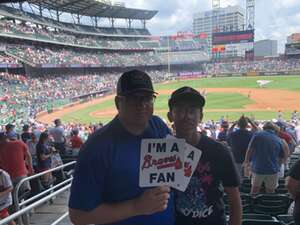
pixel 47 213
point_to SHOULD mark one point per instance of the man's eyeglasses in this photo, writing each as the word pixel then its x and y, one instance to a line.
pixel 139 99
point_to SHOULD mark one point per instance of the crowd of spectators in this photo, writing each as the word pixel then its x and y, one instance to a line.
pixel 5 59
pixel 78 28
pixel 50 34
pixel 25 96
pixel 22 95
pixel 47 56
pixel 265 65
pixel 39 56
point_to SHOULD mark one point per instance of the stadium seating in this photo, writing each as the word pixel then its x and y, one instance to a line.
pixel 267 65
pixel 286 219
pixel 260 222
pixel 251 216
pixel 271 204
pixel 26 16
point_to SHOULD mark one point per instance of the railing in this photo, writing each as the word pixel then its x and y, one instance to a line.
pixel 51 192
pixel 23 211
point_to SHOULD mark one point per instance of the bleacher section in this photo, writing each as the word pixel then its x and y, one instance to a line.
pixel 185 57
pixel 104 31
pixel 49 35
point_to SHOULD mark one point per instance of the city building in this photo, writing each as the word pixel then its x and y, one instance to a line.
pixel 231 18
pixel 264 48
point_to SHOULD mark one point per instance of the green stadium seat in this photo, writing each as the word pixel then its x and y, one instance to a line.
pixel 260 222
pixel 286 219
pixel 271 204
pixel 253 216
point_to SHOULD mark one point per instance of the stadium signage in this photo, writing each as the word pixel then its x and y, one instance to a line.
pixel 233 37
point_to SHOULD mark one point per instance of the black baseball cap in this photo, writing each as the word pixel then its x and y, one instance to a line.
pixel 9 126
pixel 134 81
pixel 186 94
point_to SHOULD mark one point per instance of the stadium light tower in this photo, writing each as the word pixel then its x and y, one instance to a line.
pixel 216 4
pixel 250 14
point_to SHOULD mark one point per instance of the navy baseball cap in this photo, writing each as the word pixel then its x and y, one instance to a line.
pixel 186 94
pixel 134 81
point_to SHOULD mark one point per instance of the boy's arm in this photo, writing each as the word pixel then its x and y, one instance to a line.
pixel 235 205
pixel 28 160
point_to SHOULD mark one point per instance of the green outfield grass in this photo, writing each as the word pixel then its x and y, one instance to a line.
pixel 278 82
pixel 214 100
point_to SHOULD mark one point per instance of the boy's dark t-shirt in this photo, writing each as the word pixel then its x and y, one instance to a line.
pixel 202 202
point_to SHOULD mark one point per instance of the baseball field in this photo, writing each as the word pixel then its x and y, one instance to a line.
pixel 229 97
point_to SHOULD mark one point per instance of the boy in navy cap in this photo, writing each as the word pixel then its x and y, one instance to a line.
pixel 201 203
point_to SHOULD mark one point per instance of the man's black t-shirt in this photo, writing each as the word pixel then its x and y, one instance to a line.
pixel 239 141
pixel 202 202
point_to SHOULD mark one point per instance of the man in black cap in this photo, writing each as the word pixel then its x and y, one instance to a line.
pixel 202 203
pixel 105 188
pixel 10 132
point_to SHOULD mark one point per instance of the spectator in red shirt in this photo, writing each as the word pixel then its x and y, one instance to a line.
pixel 286 136
pixel 75 140
pixel 14 155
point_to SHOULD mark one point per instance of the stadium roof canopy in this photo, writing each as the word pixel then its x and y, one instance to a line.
pixel 95 8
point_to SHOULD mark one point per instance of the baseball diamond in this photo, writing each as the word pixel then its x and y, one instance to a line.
pixel 229 97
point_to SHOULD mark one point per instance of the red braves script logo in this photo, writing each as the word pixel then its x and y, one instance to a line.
pixel 187 169
pixel 164 162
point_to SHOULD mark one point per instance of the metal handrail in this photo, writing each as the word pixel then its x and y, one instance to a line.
pixel 60 218
pixel 33 205
pixel 17 189
pixel 25 202
pixel 18 204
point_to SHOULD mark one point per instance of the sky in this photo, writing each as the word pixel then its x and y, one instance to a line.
pixel 274 19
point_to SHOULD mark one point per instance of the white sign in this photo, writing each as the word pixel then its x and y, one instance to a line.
pixel 161 162
pixel 169 161
pixel 192 156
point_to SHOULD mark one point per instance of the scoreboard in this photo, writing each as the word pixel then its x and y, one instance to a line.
pixel 233 37
pixel 233 44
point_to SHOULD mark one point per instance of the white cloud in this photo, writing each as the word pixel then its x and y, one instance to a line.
pixel 275 19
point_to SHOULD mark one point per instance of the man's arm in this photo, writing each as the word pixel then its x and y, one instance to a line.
pixel 151 201
pixel 6 192
pixel 293 186
pixel 293 145
pixel 286 151
pixel 254 126
pixel 28 160
pixel 235 205
pixel 230 130
pixel 248 156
